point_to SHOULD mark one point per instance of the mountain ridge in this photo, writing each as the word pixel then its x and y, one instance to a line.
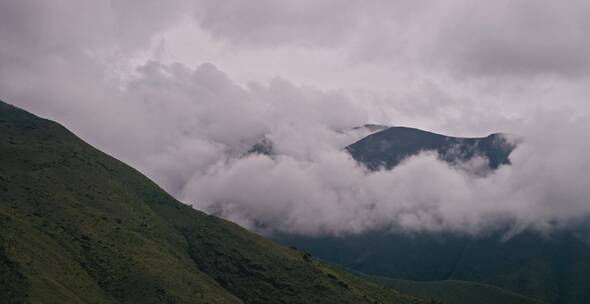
pixel 387 148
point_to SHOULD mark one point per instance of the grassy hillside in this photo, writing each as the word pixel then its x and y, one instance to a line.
pixel 457 292
pixel 77 226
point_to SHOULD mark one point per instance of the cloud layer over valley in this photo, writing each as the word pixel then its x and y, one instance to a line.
pixel 186 97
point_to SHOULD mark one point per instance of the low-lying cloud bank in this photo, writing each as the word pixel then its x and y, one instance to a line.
pixel 543 189
pixel 189 128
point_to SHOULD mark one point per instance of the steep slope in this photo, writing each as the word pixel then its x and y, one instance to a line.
pixel 387 148
pixel 77 226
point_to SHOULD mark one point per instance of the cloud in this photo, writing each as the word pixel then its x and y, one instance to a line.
pixel 543 190
pixel 194 126
pixel 518 38
pixel 183 120
pixel 499 38
pixel 188 126
pixel 267 22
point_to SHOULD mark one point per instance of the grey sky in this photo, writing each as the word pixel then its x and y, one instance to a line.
pixel 180 89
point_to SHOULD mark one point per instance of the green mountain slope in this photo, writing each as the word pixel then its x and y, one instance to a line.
pixel 77 226
pixel 457 292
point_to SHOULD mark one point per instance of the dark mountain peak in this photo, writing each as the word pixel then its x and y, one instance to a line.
pixel 387 148
pixel 264 146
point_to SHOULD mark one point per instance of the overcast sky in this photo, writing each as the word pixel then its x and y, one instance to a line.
pixel 181 89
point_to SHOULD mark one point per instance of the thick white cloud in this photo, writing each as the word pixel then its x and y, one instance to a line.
pixel 544 189
pixel 104 69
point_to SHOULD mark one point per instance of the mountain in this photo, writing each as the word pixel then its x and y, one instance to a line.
pixel 553 268
pixel 78 226
pixel 387 148
pixel 262 147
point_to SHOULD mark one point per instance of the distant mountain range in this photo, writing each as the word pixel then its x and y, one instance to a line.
pixel 385 147
pixel 553 268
